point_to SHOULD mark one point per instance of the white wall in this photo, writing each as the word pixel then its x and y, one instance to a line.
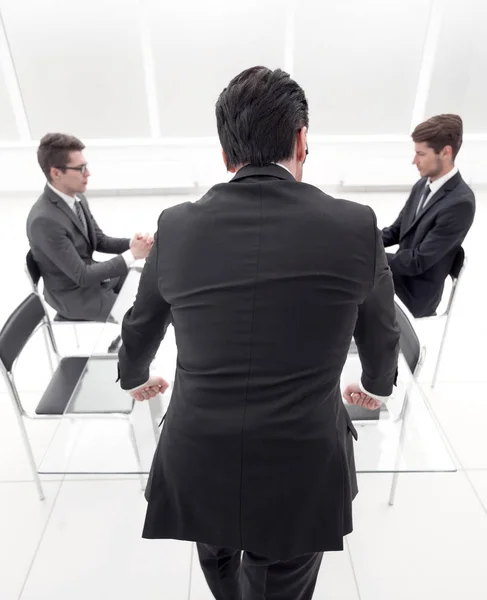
pixel 137 80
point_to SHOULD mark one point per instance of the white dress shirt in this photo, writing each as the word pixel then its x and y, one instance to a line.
pixel 436 185
pixel 70 201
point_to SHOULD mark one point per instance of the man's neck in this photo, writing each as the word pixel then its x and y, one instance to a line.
pixel 443 173
pixel 66 193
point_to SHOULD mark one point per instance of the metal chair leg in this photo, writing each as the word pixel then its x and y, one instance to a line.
pixel 23 432
pixel 30 456
pixel 48 349
pixel 402 434
pixel 76 336
pixel 440 352
pixel 392 494
pixel 137 454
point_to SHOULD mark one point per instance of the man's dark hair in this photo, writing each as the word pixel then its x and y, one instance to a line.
pixel 441 131
pixel 54 151
pixel 258 116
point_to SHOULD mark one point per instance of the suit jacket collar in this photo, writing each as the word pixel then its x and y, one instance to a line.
pixel 266 171
pixel 62 205
pixel 445 189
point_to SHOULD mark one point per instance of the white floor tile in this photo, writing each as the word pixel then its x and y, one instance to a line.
pixel 462 412
pixel 14 464
pixel 431 544
pixel 93 549
pixel 23 518
pixel 478 480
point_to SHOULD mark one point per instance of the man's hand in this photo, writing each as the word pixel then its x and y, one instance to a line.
pixel 354 395
pixel 155 385
pixel 141 244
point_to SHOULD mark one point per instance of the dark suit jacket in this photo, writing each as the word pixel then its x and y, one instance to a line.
pixel 73 281
pixel 265 280
pixel 428 243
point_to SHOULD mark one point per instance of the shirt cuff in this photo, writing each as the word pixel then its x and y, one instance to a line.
pixel 375 396
pixel 128 258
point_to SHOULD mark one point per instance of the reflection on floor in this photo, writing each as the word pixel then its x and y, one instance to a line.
pixel 84 540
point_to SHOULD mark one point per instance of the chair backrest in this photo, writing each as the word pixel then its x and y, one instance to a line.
pixel 19 327
pixel 458 263
pixel 408 342
pixel 33 270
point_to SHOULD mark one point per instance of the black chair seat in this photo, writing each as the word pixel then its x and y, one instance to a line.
pixel 91 383
pixel 59 317
pixel 62 385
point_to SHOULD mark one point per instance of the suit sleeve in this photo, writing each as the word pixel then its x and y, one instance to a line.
pixel 390 235
pixel 376 331
pixel 449 230
pixel 144 326
pixel 52 240
pixel 105 243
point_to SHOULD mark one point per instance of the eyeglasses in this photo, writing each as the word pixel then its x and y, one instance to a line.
pixel 82 168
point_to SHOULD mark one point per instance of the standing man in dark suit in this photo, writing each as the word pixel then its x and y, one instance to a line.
pixel 265 280
pixel 63 235
pixel 435 220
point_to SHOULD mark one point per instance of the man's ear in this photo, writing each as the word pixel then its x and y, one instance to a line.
pixel 448 152
pixel 301 144
pixel 225 161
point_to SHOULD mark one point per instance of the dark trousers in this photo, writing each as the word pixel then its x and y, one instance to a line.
pixel 399 289
pixel 236 575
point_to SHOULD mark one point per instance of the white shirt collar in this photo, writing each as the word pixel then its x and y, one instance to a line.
pixel 70 200
pixel 283 166
pixel 436 185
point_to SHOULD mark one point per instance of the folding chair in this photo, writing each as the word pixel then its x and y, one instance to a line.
pixel 414 354
pixel 70 371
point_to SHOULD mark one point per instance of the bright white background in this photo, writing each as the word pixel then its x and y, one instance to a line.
pixel 137 81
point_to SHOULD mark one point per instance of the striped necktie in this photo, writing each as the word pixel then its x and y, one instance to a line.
pixel 422 202
pixel 81 215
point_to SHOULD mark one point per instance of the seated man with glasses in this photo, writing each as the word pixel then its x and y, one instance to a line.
pixel 63 235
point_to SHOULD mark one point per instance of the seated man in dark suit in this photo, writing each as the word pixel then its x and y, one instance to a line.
pixel 63 235
pixel 435 220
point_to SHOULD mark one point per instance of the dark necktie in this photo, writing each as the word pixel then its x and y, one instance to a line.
pixel 81 216
pixel 421 204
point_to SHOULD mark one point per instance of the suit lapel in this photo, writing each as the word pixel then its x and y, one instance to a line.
pixel 412 206
pixel 63 207
pixel 89 222
pixel 450 185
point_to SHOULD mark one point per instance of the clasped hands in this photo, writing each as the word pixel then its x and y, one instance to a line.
pixel 141 244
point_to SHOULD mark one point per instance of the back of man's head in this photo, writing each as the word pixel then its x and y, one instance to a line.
pixel 258 116
pixel 440 131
